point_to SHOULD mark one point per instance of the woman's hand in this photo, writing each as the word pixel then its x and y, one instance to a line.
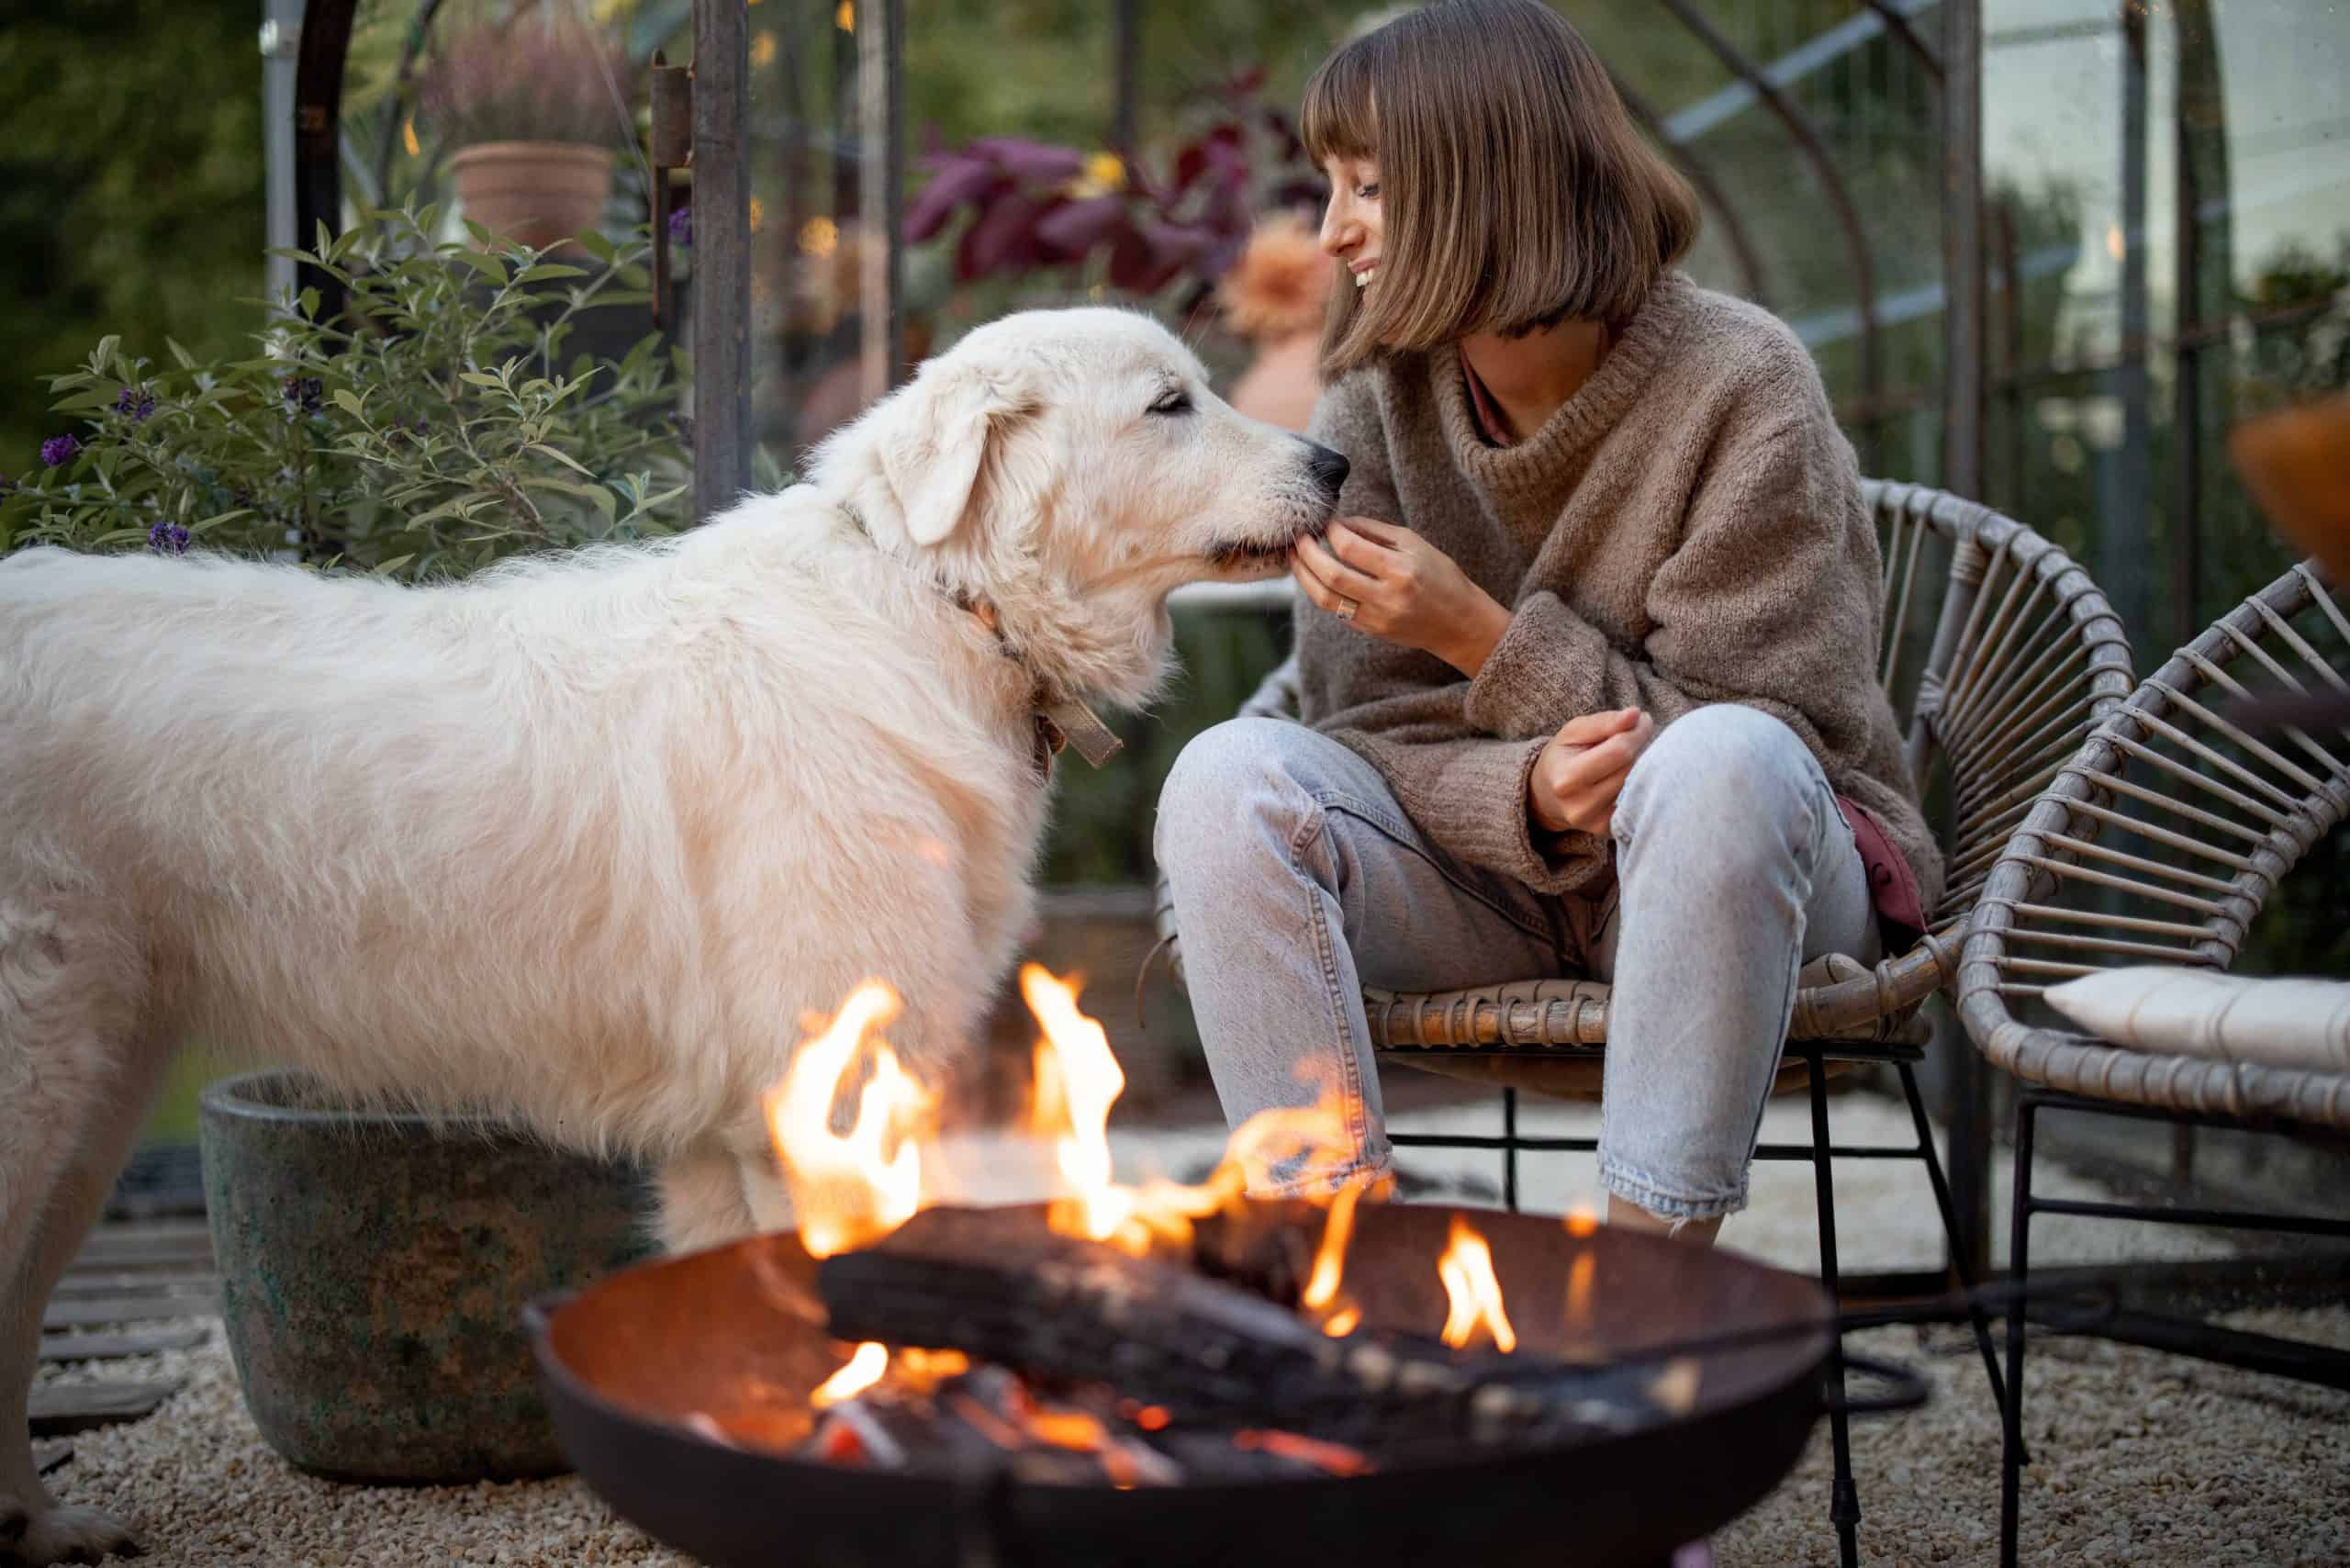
pixel 1576 780
pixel 1392 583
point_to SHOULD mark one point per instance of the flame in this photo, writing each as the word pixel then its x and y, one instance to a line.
pixel 1582 1223
pixel 1336 1458
pixel 863 1371
pixel 1467 1271
pixel 1343 1322
pixel 1330 1259
pixel 1579 1291
pixel 1077 1080
pixel 1309 1146
pixel 1068 1429
pixel 845 1190
pixel 922 1371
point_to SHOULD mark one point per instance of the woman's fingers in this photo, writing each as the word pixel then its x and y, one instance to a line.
pixel 1387 534
pixel 1611 758
pixel 1590 729
pixel 1309 584
pixel 1337 575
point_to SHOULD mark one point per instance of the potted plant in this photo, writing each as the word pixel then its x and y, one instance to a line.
pixel 534 108
pixel 435 427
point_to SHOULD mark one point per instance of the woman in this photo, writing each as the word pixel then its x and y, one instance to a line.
pixel 1587 669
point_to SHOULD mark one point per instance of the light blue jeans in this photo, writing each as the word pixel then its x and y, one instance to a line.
pixel 1297 880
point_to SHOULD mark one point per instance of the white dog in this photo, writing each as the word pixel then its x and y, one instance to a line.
pixel 580 842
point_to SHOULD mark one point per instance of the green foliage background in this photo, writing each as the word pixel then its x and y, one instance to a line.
pixel 131 187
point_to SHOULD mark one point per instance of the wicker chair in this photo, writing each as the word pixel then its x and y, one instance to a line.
pixel 2160 843
pixel 2022 657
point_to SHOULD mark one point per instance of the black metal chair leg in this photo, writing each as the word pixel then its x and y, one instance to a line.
pixel 2018 1271
pixel 1982 1320
pixel 1844 1498
pixel 1509 1150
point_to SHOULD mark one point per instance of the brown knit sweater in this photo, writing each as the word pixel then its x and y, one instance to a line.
pixel 1687 529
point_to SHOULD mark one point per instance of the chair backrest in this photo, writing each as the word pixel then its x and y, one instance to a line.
pixel 2022 657
pixel 2160 842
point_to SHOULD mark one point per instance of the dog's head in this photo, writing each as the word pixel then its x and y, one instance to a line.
pixel 1072 467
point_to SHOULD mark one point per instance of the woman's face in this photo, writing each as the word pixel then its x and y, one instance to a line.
pixel 1350 226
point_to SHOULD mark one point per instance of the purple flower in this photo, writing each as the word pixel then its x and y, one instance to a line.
pixel 304 394
pixel 681 227
pixel 169 538
pixel 136 401
pixel 60 450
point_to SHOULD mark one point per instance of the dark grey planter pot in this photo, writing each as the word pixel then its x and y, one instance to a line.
pixel 373 1272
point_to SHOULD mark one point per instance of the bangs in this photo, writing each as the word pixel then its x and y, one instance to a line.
pixel 1338 118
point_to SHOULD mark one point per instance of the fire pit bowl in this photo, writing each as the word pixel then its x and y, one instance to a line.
pixel 634 1364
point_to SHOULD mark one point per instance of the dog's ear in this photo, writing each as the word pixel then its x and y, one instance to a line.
pixel 933 454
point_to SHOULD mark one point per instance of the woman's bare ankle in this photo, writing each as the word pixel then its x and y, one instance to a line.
pixel 1626 1215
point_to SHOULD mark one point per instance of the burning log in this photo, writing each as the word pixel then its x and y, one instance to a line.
pixel 995 1284
pixel 988 1420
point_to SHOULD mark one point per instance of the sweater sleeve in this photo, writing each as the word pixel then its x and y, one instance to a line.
pixel 1769 601
pixel 1403 709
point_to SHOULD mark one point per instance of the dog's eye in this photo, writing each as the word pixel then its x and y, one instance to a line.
pixel 1176 402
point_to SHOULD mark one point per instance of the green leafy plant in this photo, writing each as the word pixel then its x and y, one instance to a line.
pixel 429 430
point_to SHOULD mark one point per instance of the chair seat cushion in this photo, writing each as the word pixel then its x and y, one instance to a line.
pixel 2302 1024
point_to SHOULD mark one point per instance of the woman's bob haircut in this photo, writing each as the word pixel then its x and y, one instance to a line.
pixel 1515 189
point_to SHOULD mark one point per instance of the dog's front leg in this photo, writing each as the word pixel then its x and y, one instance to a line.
pixel 703 1201
pixel 35 1529
pixel 76 1075
pixel 763 1189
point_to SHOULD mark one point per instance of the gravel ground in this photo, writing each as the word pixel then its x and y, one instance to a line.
pixel 2140 1458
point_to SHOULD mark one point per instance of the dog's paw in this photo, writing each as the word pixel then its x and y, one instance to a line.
pixel 37 1539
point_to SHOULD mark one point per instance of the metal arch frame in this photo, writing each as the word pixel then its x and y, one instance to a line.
pixel 318 136
pixel 1806 136
pixel 1701 175
pixel 1898 23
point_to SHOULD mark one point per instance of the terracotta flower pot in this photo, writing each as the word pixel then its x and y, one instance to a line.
pixel 2296 463
pixel 536 193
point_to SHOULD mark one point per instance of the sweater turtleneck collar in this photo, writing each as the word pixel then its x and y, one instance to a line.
pixel 1531 471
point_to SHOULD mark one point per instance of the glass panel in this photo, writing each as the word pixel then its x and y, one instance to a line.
pixel 2126 360
pixel 1776 224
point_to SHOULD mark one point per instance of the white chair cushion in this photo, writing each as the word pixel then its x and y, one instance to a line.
pixel 2299 1024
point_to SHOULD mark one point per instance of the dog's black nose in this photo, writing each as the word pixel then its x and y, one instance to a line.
pixel 1328 468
